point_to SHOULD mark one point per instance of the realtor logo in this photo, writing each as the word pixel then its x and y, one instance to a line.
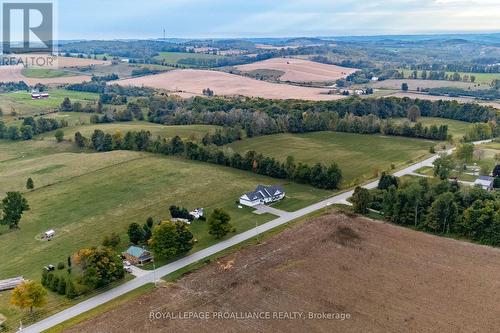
pixel 27 27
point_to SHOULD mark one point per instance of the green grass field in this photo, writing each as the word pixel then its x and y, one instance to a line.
pixel 456 128
pixel 21 103
pixel 44 73
pixel 84 196
pixel 359 156
pixel 172 58
pixel 482 78
pixel 186 132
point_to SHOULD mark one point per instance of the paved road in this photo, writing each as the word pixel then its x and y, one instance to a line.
pixel 145 277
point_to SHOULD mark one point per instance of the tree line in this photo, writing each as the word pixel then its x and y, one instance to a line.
pixel 302 116
pixel 13 86
pixel 458 67
pixel 102 113
pixel 319 175
pixel 271 117
pixel 100 87
pixel 442 207
pixel 30 127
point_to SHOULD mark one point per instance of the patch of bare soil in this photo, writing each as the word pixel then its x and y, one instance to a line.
pixel 377 277
pixel 300 70
pixel 191 82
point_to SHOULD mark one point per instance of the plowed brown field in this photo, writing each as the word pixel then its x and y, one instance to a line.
pixel 385 278
pixel 300 70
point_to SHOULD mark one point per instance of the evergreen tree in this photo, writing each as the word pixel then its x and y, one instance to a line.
pixel 29 184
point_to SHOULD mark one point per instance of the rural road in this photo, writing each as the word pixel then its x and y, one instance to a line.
pixel 152 276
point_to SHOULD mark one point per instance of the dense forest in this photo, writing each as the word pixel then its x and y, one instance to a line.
pixel 355 115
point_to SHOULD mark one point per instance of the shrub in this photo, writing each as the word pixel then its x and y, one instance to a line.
pixel 54 286
pixel 71 290
pixel 61 289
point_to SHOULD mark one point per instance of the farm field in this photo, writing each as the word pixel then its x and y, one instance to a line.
pixel 395 84
pixel 495 104
pixel 359 156
pixel 191 132
pixel 328 264
pixel 84 196
pixel 456 128
pixel 41 73
pixel 300 70
pixel 23 105
pixel 94 194
pixel 482 78
pixel 15 74
pixel 60 61
pixel 172 58
pixel 189 82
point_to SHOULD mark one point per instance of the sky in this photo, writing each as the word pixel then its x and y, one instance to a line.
pixel 113 19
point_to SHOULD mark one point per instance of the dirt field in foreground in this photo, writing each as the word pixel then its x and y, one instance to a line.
pixel 300 70
pixel 190 82
pixel 388 279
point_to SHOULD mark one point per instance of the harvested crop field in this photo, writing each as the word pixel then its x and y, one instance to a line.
pixel 190 82
pixel 385 278
pixel 414 84
pixel 14 74
pixel 59 61
pixel 300 70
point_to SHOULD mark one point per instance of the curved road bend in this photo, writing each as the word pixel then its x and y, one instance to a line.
pixel 209 251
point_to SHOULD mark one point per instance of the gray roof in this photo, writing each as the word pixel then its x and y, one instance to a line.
pixel 262 192
pixel 486 178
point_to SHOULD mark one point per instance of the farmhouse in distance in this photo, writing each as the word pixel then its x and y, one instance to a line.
pixel 262 195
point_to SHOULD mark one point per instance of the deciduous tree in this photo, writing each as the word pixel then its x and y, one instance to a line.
pixel 13 207
pixel 29 295
pixel 218 223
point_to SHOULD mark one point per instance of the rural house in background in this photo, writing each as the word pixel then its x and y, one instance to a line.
pixel 485 182
pixel 262 195
pixel 137 255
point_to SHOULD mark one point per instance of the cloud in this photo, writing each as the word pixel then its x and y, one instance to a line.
pixel 225 18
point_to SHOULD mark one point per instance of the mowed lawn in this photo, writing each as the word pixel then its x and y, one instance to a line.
pixel 456 128
pixel 359 156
